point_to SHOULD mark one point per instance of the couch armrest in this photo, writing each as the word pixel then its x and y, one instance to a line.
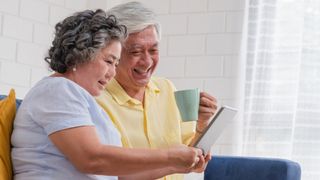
pixel 251 168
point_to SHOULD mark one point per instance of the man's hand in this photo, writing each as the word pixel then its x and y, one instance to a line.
pixel 208 106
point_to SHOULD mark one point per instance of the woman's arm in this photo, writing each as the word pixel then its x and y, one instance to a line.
pixel 158 173
pixel 82 147
pixel 151 174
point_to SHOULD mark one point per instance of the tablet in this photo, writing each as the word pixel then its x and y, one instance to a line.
pixel 215 128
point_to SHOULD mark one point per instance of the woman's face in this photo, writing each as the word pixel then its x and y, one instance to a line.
pixel 94 75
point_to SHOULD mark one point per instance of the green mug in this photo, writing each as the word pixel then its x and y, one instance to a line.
pixel 188 103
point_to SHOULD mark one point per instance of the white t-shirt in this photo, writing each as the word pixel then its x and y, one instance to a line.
pixel 54 104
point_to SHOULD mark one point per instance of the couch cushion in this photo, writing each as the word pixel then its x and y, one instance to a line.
pixel 251 168
pixel 7 114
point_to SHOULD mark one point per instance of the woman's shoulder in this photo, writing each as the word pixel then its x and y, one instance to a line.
pixel 56 87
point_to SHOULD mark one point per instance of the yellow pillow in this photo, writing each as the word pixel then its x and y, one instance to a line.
pixel 7 114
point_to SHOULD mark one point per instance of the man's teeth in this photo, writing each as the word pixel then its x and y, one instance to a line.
pixel 141 71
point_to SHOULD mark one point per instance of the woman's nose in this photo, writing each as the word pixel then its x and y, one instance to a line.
pixel 111 72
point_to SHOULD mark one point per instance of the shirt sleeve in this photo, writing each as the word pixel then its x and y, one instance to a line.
pixel 61 106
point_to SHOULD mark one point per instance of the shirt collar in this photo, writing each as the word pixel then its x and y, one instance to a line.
pixel 121 96
pixel 152 86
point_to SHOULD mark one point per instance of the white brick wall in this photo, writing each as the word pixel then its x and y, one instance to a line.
pixel 35 10
pixel 77 5
pixel 0 23
pixel 31 54
pixel 58 13
pixel 17 27
pixel 226 5
pixel 199 48
pixel 206 23
pixel 186 45
pixel 9 6
pixel 188 6
pixel 173 24
pixel 7 48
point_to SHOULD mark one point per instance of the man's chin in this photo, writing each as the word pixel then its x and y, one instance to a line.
pixel 142 83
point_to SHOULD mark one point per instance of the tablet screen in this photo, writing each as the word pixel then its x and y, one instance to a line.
pixel 218 123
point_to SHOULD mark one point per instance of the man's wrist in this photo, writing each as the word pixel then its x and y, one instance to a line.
pixel 198 130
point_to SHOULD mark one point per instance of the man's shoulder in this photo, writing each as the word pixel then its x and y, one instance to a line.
pixel 162 82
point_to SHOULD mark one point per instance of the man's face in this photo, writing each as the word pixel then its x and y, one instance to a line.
pixel 139 58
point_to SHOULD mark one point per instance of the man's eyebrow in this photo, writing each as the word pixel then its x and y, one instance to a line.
pixel 137 46
pixel 133 46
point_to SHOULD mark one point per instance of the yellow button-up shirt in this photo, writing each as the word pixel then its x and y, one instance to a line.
pixel 155 124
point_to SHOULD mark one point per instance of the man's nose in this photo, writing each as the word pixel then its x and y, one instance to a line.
pixel 147 59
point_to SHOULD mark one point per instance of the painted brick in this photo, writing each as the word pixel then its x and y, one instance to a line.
pixel 7 48
pixel 159 7
pixel 112 3
pixel 57 2
pixel 183 83
pixel 182 6
pixel 9 6
pixel 43 34
pixel 97 4
pixel 77 5
pixel 209 66
pixel 230 66
pixel 206 23
pixel 20 91
pixel 163 46
pixel 57 14
pixel 220 87
pixel 173 24
pixel 12 28
pixel 186 45
pixel 14 73
pixel 1 23
pixel 35 9
pixel 226 5
pixel 171 67
pixel 32 54
pixel 223 44
pixel 37 74
pixel 234 21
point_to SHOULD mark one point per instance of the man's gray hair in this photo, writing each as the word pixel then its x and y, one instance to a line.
pixel 135 16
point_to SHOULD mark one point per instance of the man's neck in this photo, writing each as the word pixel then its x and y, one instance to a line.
pixel 134 92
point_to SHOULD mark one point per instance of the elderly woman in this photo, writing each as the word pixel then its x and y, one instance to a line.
pixel 60 132
pixel 142 106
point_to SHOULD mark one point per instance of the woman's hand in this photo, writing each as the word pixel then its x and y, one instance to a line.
pixel 202 164
pixel 184 158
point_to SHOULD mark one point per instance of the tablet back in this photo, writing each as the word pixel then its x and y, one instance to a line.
pixel 218 123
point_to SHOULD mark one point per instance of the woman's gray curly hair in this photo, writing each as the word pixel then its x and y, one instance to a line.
pixel 79 37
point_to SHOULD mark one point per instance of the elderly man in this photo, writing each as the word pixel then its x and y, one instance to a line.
pixel 141 106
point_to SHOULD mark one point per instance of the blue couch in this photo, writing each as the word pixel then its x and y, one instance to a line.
pixel 251 168
pixel 246 168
